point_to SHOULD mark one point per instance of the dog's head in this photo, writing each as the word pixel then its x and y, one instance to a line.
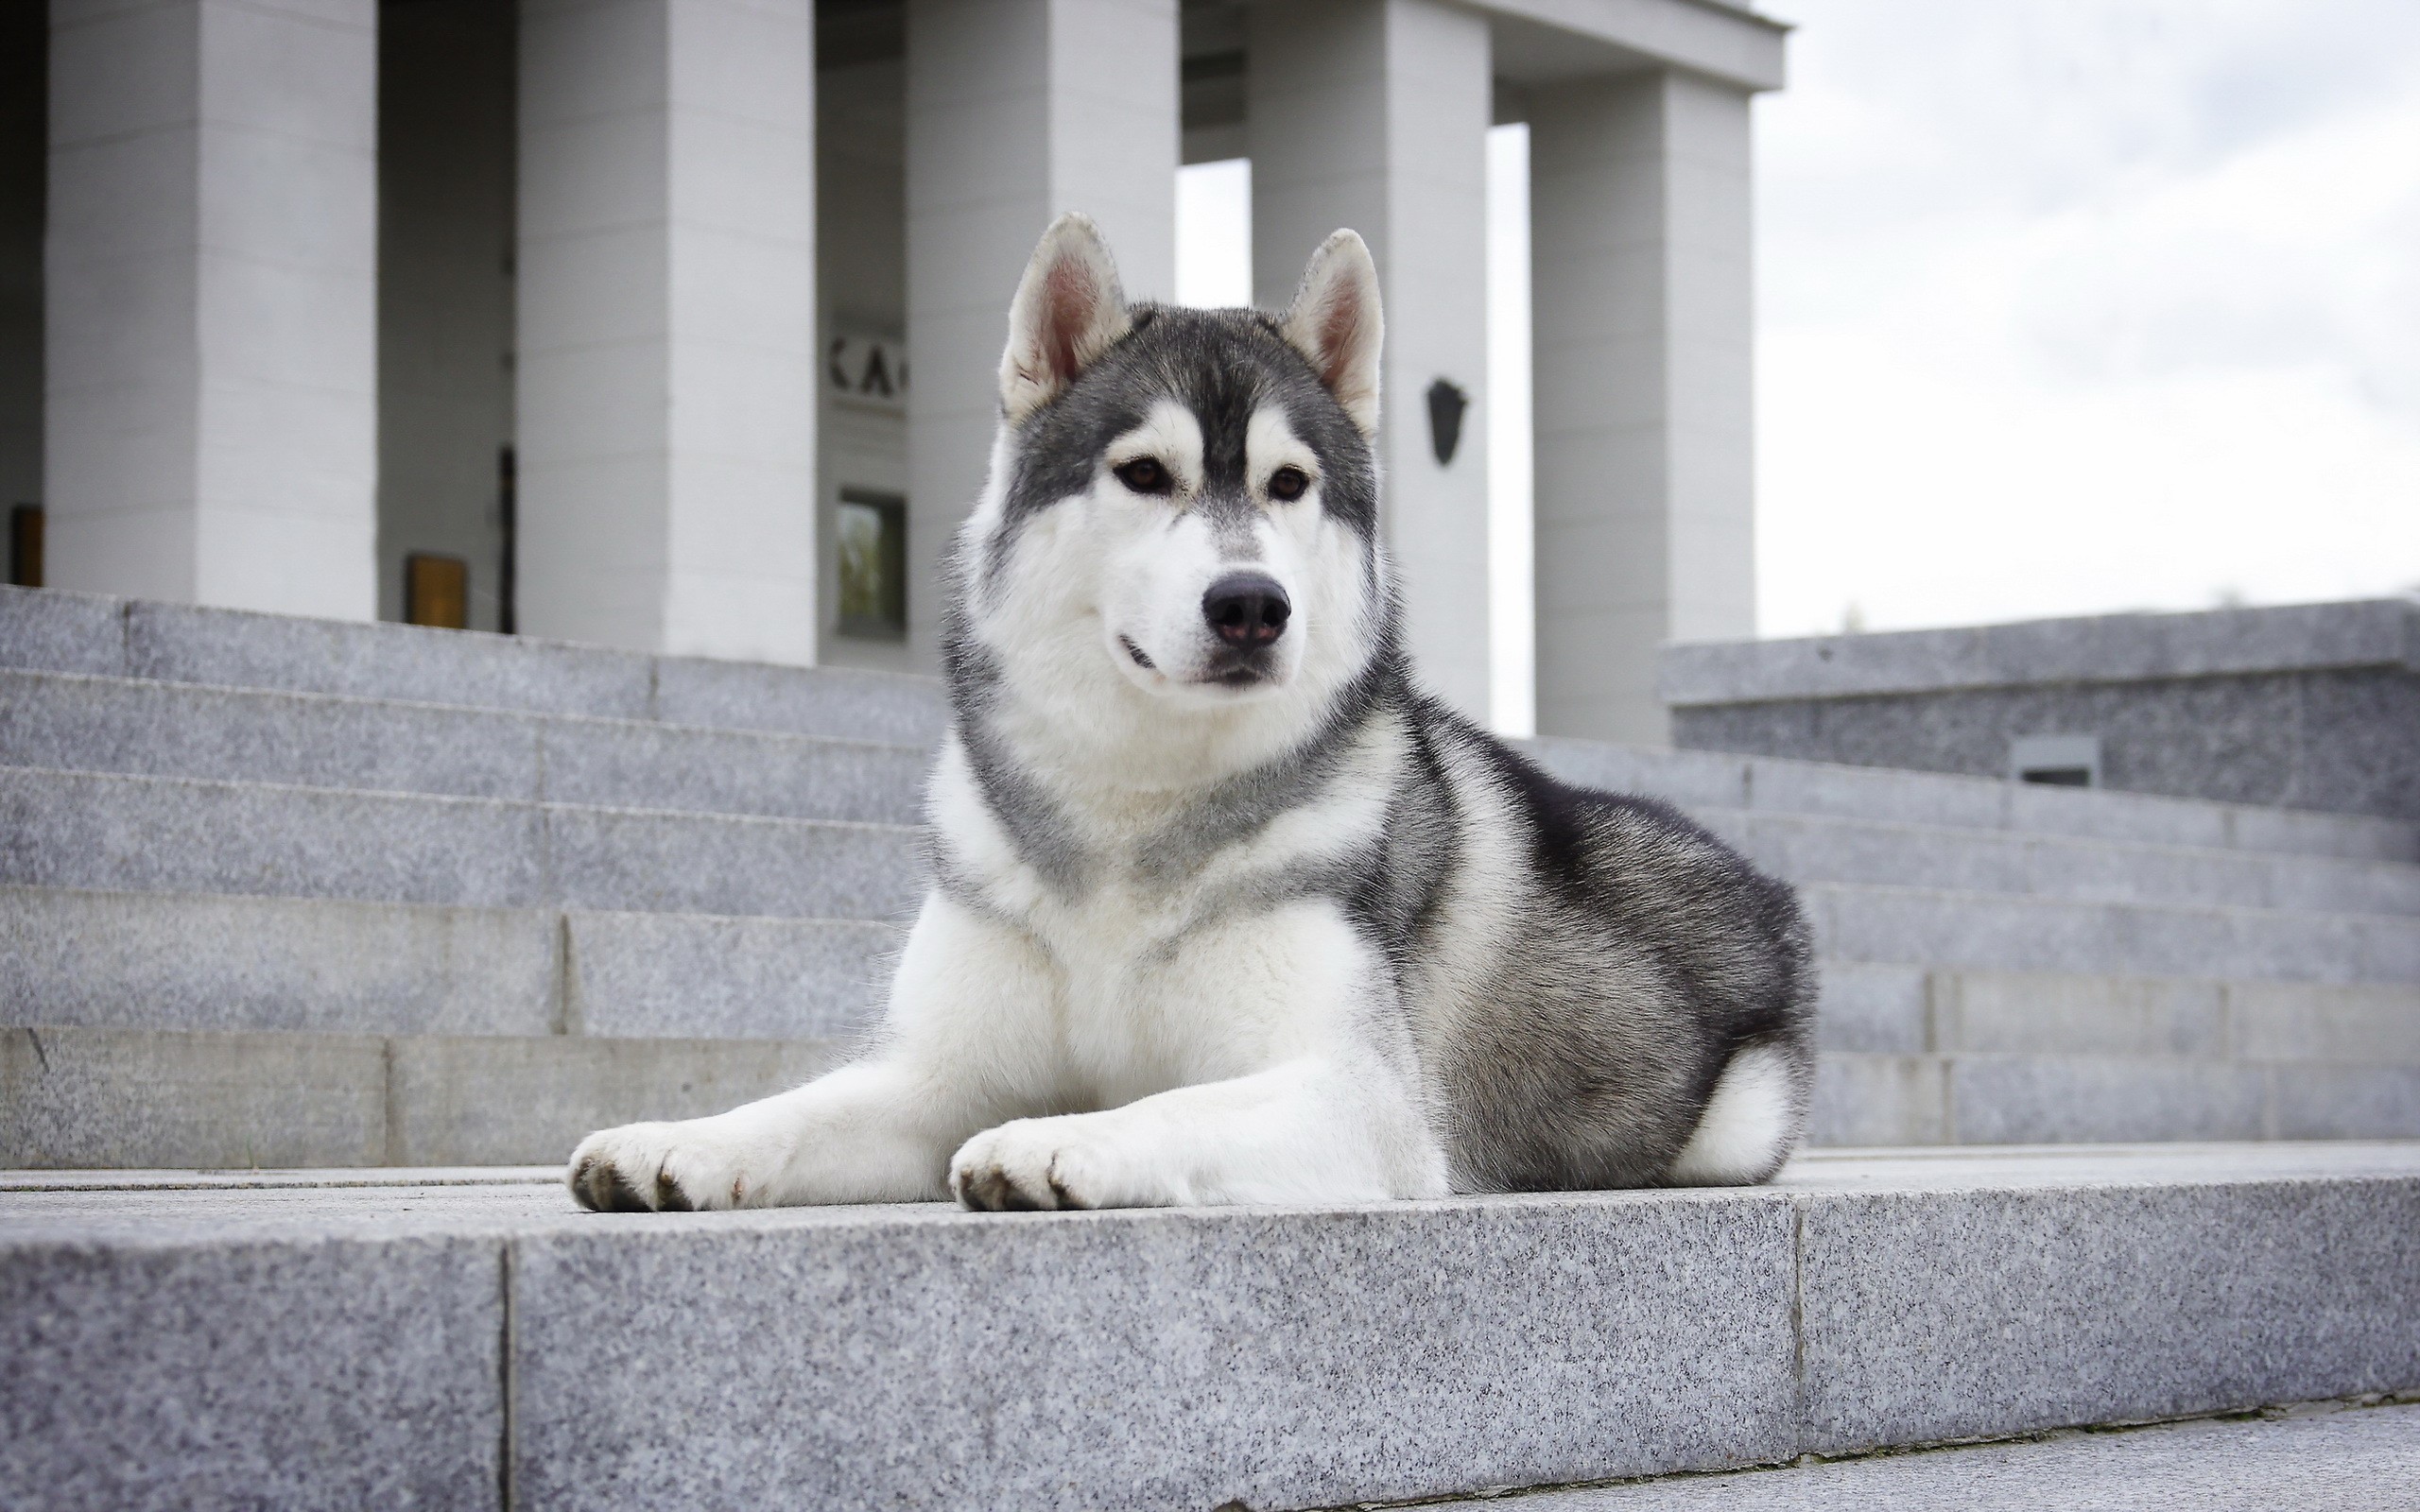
pixel 1183 502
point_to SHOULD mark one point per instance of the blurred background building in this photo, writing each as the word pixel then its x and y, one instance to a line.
pixel 671 326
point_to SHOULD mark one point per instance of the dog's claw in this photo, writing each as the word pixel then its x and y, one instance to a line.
pixel 669 1196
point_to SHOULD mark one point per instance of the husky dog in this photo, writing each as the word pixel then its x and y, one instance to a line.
pixel 1225 908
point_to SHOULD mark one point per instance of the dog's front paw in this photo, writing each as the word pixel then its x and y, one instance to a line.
pixel 1047 1163
pixel 661 1168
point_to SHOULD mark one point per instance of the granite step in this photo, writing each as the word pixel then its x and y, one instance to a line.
pixel 2002 932
pixel 225 963
pixel 99 1098
pixel 2348 1456
pixel 2052 1098
pixel 115 1096
pixel 166 960
pixel 151 834
pixel 465 1340
pixel 1809 848
pixel 1891 1009
pixel 1716 780
pixel 132 726
pixel 116 833
pixel 50 630
pixel 138 728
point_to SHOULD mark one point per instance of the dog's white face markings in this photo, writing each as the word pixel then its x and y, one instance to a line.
pixel 1078 596
pixel 1157 552
pixel 1161 553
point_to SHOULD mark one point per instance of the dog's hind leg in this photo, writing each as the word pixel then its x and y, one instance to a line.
pixel 966 1043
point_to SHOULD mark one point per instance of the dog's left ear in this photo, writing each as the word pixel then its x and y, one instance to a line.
pixel 1067 312
pixel 1336 324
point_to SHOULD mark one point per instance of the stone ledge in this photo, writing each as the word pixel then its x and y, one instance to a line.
pixel 54 630
pixel 920 1356
pixel 99 832
pixel 129 727
pixel 1775 784
pixel 86 1097
pixel 1998 1098
pixel 82 1096
pixel 2089 649
pixel 2099 649
pixel 228 963
pixel 2348 1456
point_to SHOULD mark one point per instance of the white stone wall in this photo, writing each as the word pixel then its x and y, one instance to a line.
pixel 210 412
pixel 1643 400
pixel 223 422
pixel 1017 109
pixel 666 356
pixel 1373 115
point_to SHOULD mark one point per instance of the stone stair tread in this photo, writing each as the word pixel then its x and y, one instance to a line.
pixel 220 962
pixel 72 722
pixel 2021 932
pixel 50 630
pixel 111 832
pixel 2009 1097
pixel 53 630
pixel 343 743
pixel 1810 848
pixel 100 1097
pixel 499 1347
pixel 1768 784
pixel 2359 1457
pixel 134 1095
pixel 225 961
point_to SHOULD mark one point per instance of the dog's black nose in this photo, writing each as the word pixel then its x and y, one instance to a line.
pixel 1247 609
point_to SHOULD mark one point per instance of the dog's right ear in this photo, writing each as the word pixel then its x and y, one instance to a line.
pixel 1336 324
pixel 1068 311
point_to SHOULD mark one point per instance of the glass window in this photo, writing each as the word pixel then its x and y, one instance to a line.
pixel 874 565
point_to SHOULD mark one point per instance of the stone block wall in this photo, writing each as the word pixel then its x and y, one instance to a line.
pixel 2303 706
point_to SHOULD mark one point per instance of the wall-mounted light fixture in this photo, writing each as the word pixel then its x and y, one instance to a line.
pixel 1447 403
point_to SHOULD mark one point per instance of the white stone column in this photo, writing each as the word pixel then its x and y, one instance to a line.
pixel 667 376
pixel 1373 115
pixel 1643 402
pixel 1017 111
pixel 210 430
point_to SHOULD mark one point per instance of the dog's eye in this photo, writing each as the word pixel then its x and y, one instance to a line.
pixel 1145 475
pixel 1288 483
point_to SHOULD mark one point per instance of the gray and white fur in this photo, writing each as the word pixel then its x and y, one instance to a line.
pixel 1227 909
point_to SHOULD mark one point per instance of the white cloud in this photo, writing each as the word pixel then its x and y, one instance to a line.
pixel 2068 307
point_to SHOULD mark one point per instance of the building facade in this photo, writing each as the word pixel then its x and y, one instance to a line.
pixel 671 324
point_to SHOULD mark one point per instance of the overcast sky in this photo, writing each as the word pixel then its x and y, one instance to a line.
pixel 2064 306
pixel 2077 305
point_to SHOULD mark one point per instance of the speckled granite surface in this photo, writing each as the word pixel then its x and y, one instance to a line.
pixel 435 1337
pixel 2306 706
pixel 2344 1457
